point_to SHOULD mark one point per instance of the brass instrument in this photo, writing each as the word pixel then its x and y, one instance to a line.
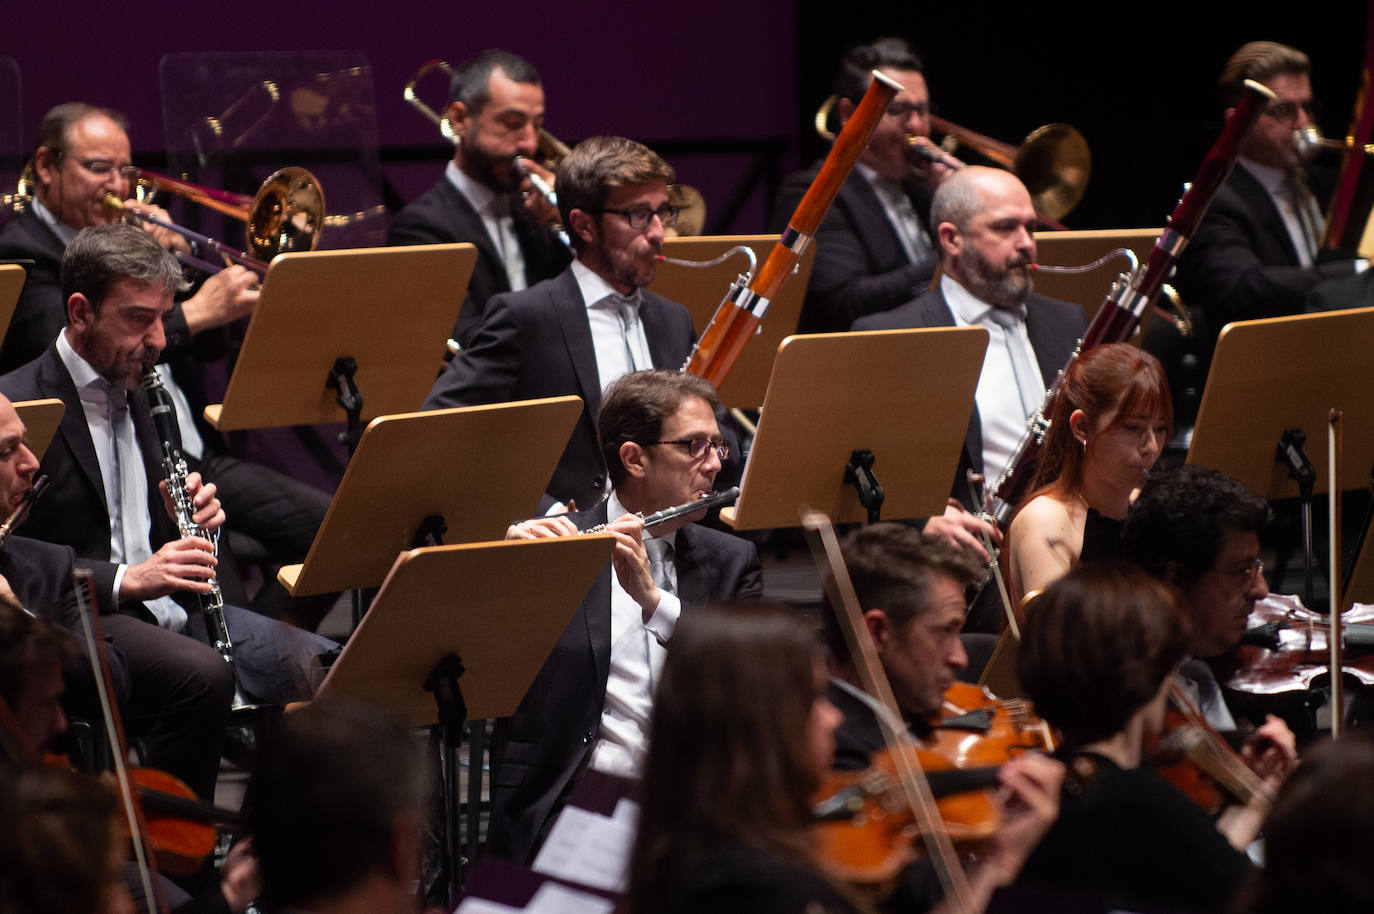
pixel 1310 141
pixel 24 189
pixel 174 470
pixel 285 215
pixel 1053 161
pixel 685 197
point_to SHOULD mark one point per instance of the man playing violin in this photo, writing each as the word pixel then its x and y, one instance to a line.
pixel 82 155
pixel 1256 252
pixel 496 108
pixel 1198 530
pixel 875 247
pixel 590 703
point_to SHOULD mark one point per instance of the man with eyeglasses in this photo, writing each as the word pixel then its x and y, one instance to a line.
pixel 1198 530
pixel 1257 251
pixel 496 106
pixel 875 247
pixel 578 332
pixel 589 705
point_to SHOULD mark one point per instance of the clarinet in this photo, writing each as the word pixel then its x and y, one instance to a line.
pixel 1130 295
pixel 174 471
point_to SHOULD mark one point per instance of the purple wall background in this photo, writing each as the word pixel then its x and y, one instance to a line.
pixel 666 73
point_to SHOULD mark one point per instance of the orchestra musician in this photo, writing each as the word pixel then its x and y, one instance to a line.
pixel 984 225
pixel 82 154
pixel 1095 657
pixel 875 249
pixel 1256 252
pixel 496 106
pixel 742 735
pixel 595 321
pixel 103 500
pixel 1198 531
pixel 1108 426
pixel 590 703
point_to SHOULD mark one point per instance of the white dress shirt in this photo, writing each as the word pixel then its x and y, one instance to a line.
pixel 999 404
pixel 617 332
pixel 1299 217
pixel 637 654
pixel 497 219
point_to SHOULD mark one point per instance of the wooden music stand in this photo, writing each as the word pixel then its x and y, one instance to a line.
pixel 701 289
pixel 389 310
pixel 1077 248
pixel 12 279
pixel 486 613
pixel 475 467
pixel 41 419
pixel 1281 373
pixel 904 395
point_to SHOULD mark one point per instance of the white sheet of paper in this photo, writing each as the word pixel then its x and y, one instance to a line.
pixel 588 849
pixel 552 898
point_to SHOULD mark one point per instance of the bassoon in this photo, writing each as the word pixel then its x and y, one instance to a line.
pixel 1131 294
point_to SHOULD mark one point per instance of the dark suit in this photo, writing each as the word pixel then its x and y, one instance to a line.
pixel 861 267
pixel 1241 263
pixel 270 656
pixel 278 511
pixel 538 343
pixel 538 753
pixel 442 215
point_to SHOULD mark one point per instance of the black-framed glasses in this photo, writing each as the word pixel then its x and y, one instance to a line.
pixel 904 110
pixel 697 447
pixel 639 216
pixel 103 167
pixel 1287 112
pixel 1243 576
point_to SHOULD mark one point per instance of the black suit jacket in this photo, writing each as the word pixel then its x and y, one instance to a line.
pixel 537 753
pixel 860 265
pixel 1241 263
pixel 538 343
pixel 443 215
pixel 73 511
pixel 1054 328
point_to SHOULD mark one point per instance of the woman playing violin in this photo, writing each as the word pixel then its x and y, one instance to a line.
pixel 1095 658
pixel 1108 426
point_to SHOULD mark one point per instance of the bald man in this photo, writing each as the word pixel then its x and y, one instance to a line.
pixel 984 224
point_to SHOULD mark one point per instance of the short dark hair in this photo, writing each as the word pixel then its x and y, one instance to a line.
pixel 598 165
pixel 1260 61
pixel 26 642
pixel 893 568
pixel 1096 646
pixel 635 406
pixel 323 801
pixel 60 826
pixel 471 82
pixel 1182 515
pixel 855 72
pixel 102 255
pixel 58 122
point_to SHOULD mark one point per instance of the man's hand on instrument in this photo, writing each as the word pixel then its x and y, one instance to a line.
pixel 544 212
pixel 184 564
pixel 542 528
pixel 963 530
pixel 1273 753
pixel 172 241
pixel 226 296
pixel 937 172
pixel 631 563
pixel 208 512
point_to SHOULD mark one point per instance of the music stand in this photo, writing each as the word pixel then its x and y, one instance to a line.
pixel 495 631
pixel 345 335
pixel 903 397
pixel 41 419
pixel 12 279
pixel 700 290
pixel 1270 376
pixel 471 469
pixel 1079 248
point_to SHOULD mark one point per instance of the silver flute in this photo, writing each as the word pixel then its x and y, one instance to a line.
pixel 706 503
pixel 174 470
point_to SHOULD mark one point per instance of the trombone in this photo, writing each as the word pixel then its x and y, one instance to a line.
pixel 1309 141
pixel 1053 161
pixel 285 215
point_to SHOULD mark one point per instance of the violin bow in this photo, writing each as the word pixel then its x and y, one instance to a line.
pixel 826 551
pixel 1334 635
pixel 109 712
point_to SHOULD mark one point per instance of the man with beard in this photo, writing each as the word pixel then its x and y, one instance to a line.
pixel 496 106
pixel 984 224
pixel 578 332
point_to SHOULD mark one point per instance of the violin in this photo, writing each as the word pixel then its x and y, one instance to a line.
pixel 1196 759
pixel 865 827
